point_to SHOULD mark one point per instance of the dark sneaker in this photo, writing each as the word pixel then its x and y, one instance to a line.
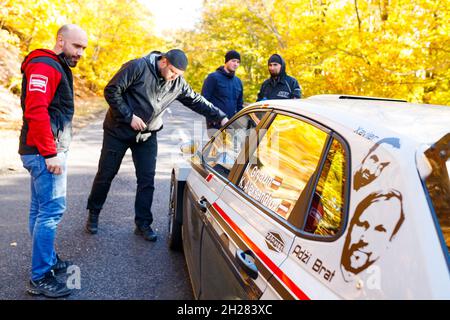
pixel 147 232
pixel 49 287
pixel 61 266
pixel 92 221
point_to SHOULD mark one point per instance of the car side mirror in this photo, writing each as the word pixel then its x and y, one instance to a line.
pixel 189 148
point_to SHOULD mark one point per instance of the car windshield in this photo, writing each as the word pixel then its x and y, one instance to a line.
pixel 438 184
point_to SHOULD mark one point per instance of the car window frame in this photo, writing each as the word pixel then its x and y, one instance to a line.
pixel 346 195
pixel 208 145
pixel 431 156
pixel 297 230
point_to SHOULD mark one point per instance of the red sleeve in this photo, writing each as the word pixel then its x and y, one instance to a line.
pixel 42 81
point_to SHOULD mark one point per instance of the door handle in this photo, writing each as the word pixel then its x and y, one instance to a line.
pixel 203 204
pixel 246 259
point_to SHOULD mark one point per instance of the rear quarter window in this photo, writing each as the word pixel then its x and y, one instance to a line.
pixel 437 185
pixel 326 212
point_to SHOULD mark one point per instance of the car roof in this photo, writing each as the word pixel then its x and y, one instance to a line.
pixel 420 123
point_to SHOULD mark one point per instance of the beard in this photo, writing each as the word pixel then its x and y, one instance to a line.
pixel 357 260
pixel 274 74
pixel 71 61
pixel 362 178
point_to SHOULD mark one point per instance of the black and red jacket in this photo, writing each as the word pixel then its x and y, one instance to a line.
pixel 47 104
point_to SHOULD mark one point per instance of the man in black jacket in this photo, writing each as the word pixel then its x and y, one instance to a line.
pixel 138 95
pixel 224 88
pixel 279 85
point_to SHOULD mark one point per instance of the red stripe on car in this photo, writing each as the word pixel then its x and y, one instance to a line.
pixel 270 264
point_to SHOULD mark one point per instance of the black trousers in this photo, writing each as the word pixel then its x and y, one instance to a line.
pixel 144 158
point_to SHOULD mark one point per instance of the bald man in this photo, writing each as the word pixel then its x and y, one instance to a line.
pixel 48 107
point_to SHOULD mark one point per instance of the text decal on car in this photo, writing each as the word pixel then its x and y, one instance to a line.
pixel 275 242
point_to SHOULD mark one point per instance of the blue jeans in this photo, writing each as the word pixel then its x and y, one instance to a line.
pixel 48 203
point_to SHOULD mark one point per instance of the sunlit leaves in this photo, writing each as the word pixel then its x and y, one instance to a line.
pixel 395 48
pixel 118 31
pixel 381 48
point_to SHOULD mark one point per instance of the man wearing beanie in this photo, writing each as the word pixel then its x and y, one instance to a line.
pixel 279 85
pixel 223 88
pixel 138 95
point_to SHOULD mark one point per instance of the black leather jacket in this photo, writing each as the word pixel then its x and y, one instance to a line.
pixel 137 88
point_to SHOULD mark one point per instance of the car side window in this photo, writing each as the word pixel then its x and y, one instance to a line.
pixel 223 151
pixel 282 164
pixel 326 211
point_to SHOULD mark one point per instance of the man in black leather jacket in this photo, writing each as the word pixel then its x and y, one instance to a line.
pixel 138 95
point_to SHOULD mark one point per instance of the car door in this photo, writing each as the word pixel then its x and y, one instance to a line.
pixel 251 218
pixel 210 174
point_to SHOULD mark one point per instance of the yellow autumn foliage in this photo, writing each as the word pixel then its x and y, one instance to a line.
pixel 388 48
pixel 118 31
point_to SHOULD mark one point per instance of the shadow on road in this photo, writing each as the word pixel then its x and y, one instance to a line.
pixel 115 263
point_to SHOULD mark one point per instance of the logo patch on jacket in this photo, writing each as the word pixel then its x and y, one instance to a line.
pixel 38 83
pixel 283 94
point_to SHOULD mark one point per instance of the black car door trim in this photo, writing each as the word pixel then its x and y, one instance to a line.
pixel 262 269
pixel 189 193
pixel 274 269
pixel 264 272
pixel 249 286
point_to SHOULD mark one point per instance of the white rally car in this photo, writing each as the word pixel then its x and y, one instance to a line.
pixel 330 197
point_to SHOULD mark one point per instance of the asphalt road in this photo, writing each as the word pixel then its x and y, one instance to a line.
pixel 115 263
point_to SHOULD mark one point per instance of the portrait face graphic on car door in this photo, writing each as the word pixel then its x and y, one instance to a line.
pixel 377 219
pixel 373 164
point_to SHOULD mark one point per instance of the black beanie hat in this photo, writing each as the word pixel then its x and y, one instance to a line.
pixel 275 58
pixel 232 54
pixel 177 58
